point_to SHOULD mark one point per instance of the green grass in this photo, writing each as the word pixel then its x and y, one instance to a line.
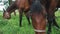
pixel 12 26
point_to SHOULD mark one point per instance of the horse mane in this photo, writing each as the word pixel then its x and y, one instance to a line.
pixel 36 6
pixel 11 7
pixel 47 4
pixel 30 2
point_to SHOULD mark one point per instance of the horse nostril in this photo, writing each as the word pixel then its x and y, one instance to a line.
pixel 8 17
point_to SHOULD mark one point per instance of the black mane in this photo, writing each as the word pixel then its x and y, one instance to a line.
pixel 11 7
pixel 36 6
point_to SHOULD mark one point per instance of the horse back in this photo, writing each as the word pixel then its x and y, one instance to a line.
pixel 22 3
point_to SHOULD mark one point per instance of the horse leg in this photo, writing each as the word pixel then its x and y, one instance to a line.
pixel 54 22
pixel 28 19
pixel 50 21
pixel 49 24
pixel 27 15
pixel 20 18
pixel 53 5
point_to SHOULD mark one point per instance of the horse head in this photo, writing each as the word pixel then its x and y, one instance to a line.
pixel 6 14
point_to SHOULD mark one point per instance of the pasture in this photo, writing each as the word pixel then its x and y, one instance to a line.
pixel 12 26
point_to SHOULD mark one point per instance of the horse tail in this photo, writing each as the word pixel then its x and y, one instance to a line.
pixel 36 7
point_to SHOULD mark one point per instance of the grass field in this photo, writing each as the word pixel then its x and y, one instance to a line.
pixel 12 26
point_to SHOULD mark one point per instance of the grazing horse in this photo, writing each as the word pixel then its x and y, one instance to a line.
pixel 38 19
pixel 38 15
pixel 50 6
pixel 50 10
pixel 12 8
pixel 24 6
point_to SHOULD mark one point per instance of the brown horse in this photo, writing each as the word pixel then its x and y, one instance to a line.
pixel 11 9
pixel 48 10
pixel 38 15
pixel 50 6
pixel 38 19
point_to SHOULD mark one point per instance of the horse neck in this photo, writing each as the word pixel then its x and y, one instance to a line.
pixel 11 8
